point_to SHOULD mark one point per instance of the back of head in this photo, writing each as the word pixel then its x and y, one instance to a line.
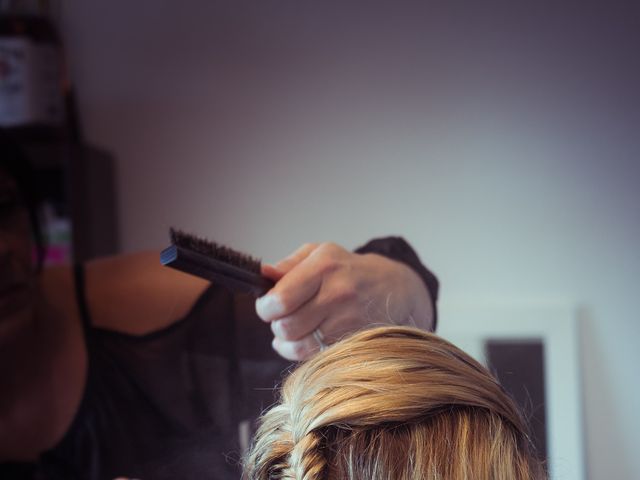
pixel 393 403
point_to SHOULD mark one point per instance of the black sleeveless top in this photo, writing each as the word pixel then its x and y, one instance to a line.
pixel 172 404
pixel 167 405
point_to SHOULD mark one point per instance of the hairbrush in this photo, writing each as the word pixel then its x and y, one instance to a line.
pixel 229 268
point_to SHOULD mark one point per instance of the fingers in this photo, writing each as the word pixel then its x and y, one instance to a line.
pixel 303 323
pixel 299 285
pixel 298 350
pixel 318 290
pixel 331 330
pixel 290 293
pixel 277 271
pixel 326 287
pixel 294 335
pixel 269 271
pixel 335 298
pixel 301 349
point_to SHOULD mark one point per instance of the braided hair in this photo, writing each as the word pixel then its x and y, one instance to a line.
pixel 393 403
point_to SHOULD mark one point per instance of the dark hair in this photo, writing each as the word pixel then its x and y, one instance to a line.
pixel 15 163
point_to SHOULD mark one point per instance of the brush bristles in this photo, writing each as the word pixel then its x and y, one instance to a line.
pixel 213 250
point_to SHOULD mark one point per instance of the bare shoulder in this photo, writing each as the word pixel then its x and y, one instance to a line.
pixel 135 294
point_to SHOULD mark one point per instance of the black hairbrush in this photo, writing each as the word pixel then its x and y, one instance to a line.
pixel 222 265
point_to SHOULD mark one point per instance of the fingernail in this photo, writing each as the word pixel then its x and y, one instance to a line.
pixel 269 307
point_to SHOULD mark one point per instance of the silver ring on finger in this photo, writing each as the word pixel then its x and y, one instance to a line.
pixel 319 337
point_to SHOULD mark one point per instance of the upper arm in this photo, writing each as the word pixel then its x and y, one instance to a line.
pixel 135 294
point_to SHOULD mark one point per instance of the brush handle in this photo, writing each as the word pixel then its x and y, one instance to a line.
pixel 229 276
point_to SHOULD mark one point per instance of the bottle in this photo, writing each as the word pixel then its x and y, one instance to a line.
pixel 32 87
pixel 32 111
pixel 75 180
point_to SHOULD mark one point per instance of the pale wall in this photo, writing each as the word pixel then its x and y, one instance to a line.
pixel 501 141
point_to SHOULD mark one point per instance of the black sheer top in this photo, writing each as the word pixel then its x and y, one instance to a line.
pixel 167 405
pixel 176 403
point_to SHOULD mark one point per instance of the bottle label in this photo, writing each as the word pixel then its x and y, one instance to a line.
pixel 30 86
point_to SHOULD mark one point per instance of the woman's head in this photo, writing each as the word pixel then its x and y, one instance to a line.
pixel 393 403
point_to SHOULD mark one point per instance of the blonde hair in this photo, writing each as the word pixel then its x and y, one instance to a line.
pixel 392 403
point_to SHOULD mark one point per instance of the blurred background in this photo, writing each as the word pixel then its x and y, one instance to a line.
pixel 501 139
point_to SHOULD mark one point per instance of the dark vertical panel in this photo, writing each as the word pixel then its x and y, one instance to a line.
pixel 519 365
pixel 79 181
pixel 93 203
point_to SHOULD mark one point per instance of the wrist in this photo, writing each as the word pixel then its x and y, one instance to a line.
pixel 396 248
pixel 421 312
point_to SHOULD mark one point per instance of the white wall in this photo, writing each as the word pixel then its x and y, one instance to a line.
pixel 500 140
